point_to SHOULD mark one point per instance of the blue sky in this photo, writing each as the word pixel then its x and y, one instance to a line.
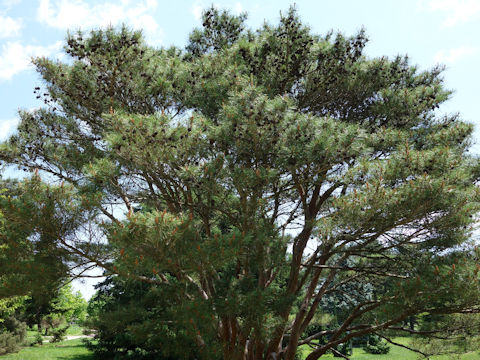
pixel 429 31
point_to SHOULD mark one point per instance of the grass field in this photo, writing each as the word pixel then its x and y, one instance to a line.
pixel 75 350
pixel 66 350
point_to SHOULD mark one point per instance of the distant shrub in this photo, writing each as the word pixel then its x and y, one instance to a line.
pixel 58 334
pixel 345 349
pixel 12 335
pixel 38 340
pixel 9 343
pixel 376 346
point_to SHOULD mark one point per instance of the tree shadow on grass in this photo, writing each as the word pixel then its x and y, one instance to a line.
pixel 78 357
pixel 75 356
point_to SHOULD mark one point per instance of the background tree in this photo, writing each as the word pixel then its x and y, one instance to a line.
pixel 453 334
pixel 63 307
pixel 12 331
pixel 30 263
pixel 267 161
pixel 33 269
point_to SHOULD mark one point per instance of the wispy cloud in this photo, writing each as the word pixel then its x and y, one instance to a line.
pixel 7 127
pixel 453 55
pixel 456 11
pixel 15 57
pixel 238 8
pixel 9 26
pixel 76 14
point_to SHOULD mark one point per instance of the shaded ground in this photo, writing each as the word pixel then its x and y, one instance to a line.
pixel 396 353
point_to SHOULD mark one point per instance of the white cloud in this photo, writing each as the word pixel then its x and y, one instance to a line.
pixel 197 9
pixel 7 127
pixel 15 57
pixel 9 26
pixel 458 11
pixel 238 8
pixel 454 55
pixel 75 14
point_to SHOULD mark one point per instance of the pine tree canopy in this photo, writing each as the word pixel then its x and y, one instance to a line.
pixel 254 177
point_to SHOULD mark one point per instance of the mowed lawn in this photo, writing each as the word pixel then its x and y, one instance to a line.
pixel 396 353
pixel 65 350
pixel 75 350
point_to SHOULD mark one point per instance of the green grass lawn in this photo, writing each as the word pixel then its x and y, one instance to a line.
pixel 65 350
pixel 396 353
pixel 75 350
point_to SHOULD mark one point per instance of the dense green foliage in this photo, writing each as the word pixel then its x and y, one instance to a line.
pixel 239 183
pixel 38 267
pixel 133 320
pixel 12 335
pixel 9 305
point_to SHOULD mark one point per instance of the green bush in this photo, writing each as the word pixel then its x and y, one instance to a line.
pixel 12 335
pixel 376 346
pixel 58 334
pixel 346 349
pixel 38 340
pixel 9 343
pixel 130 322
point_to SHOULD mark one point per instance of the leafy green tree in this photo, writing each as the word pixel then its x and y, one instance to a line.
pixel 32 284
pixel 8 306
pixel 12 331
pixel 62 307
pixel 267 160
pixel 71 304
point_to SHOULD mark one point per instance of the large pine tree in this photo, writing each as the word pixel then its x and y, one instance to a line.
pixel 250 176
